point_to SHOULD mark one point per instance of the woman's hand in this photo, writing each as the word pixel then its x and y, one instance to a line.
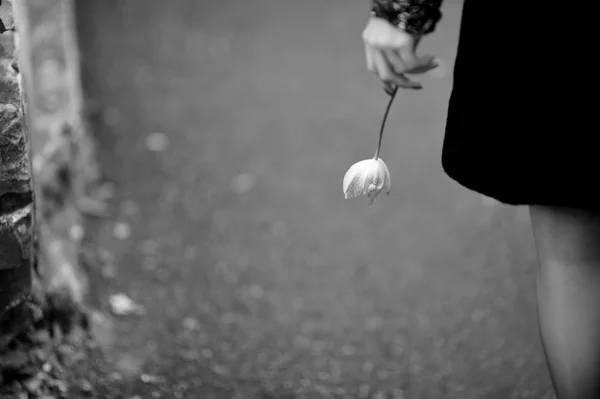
pixel 390 54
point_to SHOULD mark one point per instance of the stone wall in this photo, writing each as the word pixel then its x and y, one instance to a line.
pixel 62 154
pixel 16 194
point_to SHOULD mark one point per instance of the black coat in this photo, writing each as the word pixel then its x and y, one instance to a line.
pixel 521 119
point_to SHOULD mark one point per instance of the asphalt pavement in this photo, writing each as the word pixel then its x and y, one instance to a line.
pixel 228 127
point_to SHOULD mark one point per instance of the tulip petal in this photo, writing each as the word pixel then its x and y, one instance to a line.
pixel 367 178
pixel 350 175
pixel 372 195
pixel 354 179
pixel 387 184
pixel 354 188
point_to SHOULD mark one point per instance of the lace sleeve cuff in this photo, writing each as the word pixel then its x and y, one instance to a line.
pixel 417 17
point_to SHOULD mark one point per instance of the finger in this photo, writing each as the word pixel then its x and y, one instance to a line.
pixel 406 83
pixel 393 58
pixel 424 64
pixel 409 57
pixel 423 68
pixel 389 88
pixel 390 83
pixel 386 74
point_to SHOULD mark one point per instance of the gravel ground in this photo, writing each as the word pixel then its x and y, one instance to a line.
pixel 227 128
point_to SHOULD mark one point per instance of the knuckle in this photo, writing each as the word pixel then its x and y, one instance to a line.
pixel 407 84
pixel 410 63
pixel 399 69
pixel 365 36
pixel 399 40
pixel 397 43
pixel 386 76
pixel 382 41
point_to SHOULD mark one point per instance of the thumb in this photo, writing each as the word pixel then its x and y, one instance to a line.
pixel 427 59
pixel 423 64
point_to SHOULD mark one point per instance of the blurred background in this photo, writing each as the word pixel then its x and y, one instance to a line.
pixel 227 128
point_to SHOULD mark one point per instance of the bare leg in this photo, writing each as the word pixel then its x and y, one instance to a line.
pixel 568 243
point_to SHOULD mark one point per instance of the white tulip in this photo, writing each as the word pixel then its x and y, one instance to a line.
pixel 371 176
pixel 367 178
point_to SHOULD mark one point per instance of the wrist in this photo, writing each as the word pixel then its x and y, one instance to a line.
pixel 416 17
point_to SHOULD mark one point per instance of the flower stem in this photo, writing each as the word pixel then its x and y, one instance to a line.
pixel 385 115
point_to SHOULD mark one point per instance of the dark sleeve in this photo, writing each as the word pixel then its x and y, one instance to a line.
pixel 418 17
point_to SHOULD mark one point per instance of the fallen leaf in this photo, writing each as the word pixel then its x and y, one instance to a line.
pixel 243 183
pixel 122 305
pixel 122 230
pixel 152 379
pixel 157 142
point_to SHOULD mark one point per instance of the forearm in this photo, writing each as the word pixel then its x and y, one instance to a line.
pixel 417 17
